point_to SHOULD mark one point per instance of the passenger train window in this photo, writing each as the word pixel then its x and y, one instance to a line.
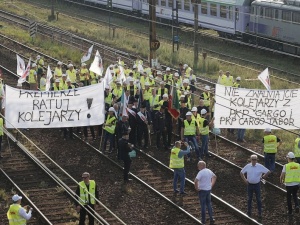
pixel 204 8
pixel 187 5
pixel 252 10
pixel 170 3
pixel 286 16
pixel 230 9
pixel 163 3
pixel 213 9
pixel 268 13
pixel 261 11
pixel 223 11
pixel 276 14
pixel 296 17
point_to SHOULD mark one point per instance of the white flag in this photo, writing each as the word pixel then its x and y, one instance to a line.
pixel 20 66
pixel 87 55
pixel 140 67
pixel 48 78
pixel 122 72
pixel 108 77
pixel 22 79
pixel 265 78
pixel 97 66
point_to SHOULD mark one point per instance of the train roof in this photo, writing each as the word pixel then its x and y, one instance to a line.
pixel 230 2
pixel 278 3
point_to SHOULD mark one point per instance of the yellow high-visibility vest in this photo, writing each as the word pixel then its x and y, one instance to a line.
pixel 32 75
pixel 108 99
pixel 13 215
pixel 296 148
pixel 110 124
pixel 43 87
pixel 58 72
pixel 117 92
pixel 93 78
pixel 197 119
pixel 1 126
pixel 154 101
pixel 147 94
pixel 175 161
pixel 189 128
pixel 292 172
pixel 83 74
pixel 206 98
pixel 72 75
pixel 203 130
pixel 270 144
pixel 84 195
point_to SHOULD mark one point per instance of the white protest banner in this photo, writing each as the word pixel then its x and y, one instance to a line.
pixel 257 109
pixel 68 108
pixel 87 55
pixel 97 66
pixel 265 78
pixel 20 66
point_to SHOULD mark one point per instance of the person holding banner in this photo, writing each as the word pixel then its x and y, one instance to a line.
pixel 109 128
pixel 56 86
pixel 58 71
pixel 271 144
pixel 84 75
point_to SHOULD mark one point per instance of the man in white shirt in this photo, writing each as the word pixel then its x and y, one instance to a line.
pixel 16 213
pixel 255 172
pixel 291 178
pixel 204 182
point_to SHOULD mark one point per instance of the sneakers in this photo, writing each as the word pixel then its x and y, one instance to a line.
pixel 212 221
pixel 176 191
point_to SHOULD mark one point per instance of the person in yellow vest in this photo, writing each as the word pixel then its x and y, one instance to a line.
pixel 221 77
pixel 117 92
pixel 108 98
pixel 196 116
pixel 109 127
pixel 162 89
pixel 84 75
pixel 126 70
pixel 69 84
pixel 237 84
pixel 147 94
pixel 204 126
pixel 16 214
pixel 58 71
pixel 43 82
pixel 189 131
pixel 63 82
pixel 229 79
pixel 290 176
pixel 255 172
pixel 93 78
pixel 188 99
pixel 185 85
pixel 271 144
pixel 56 85
pixel 187 69
pixel 150 80
pixel 32 79
pixel 177 80
pixel 168 78
pixel 177 164
pixel 72 73
pixel 297 149
pixel 86 193
pixel 1 135
pixel 206 96
pixel 154 100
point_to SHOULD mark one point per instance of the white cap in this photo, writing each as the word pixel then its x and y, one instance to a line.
pixel 185 81
pixel 64 75
pixel 147 84
pixel 165 96
pixel 203 111
pixel 159 73
pixel 129 79
pixel 182 96
pixel 118 82
pixel 82 64
pixel 16 198
pixel 68 80
pixel 290 155
pixel 57 80
pixel 38 57
pixel 185 66
pixel 168 69
pixel 207 87
pixel 176 74
pixel 194 109
pixel 70 65
pixel 238 78
pixel 162 82
pixel 59 63
pixel 134 66
pixel 33 65
pixel 268 129
pixel 185 93
pixel 151 76
pixel 189 114
pixel 111 109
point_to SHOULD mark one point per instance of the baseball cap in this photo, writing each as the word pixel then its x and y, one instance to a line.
pixel 188 114
pixel 207 88
pixel 16 198
pixel 290 155
pixel 70 65
pixel 111 109
pixel 268 129
pixel 85 174
pixel 238 78
pixel 168 69
pixel 165 96
pixel 203 111
pixel 194 109
pixel 176 74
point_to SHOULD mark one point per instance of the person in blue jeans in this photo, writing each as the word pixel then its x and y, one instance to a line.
pixel 189 131
pixel 177 164
pixel 255 172
pixel 204 182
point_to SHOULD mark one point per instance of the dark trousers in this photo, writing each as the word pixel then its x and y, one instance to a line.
pixel 91 129
pixel 111 138
pixel 152 113
pixel 1 136
pixel 254 188
pixel 291 191
pixel 70 129
pixel 159 134
pixel 133 135
pixel 83 213
pixel 127 163
pixel 169 132
pixel 143 133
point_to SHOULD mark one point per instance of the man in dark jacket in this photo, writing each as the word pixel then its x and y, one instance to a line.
pixel 143 120
pixel 122 126
pixel 160 127
pixel 124 148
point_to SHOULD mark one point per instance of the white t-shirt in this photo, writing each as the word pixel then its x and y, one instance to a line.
pixel 254 173
pixel 204 179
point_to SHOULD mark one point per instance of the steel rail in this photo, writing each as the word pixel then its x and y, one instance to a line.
pixel 141 181
pixel 25 197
